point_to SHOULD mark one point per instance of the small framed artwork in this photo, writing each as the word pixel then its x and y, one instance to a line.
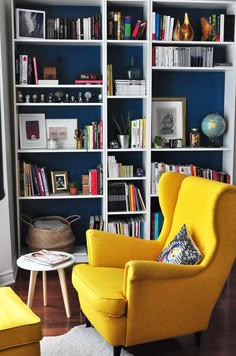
pixel 32 131
pixel 59 181
pixel 62 130
pixel 30 24
pixel 168 118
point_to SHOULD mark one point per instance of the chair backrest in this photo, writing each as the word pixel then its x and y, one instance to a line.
pixel 208 208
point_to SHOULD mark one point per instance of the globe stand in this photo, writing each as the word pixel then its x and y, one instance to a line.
pixel 212 142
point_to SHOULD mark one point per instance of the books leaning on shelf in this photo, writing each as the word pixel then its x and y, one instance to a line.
pixel 88 79
pixel 163 56
pixel 124 197
pixel 87 28
pixel 47 258
pixel 96 222
pixel 33 179
pixel 158 168
pixel 130 87
pixel 133 227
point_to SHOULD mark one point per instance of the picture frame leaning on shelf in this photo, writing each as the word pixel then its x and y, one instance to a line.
pixel 169 118
pixel 32 131
pixel 30 24
pixel 59 181
pixel 63 131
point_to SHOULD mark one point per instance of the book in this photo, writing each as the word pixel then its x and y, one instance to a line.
pixel 47 258
pixel 135 30
pixel 48 81
pixel 35 70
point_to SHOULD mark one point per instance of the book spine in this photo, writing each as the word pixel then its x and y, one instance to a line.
pixel 24 69
pixel 35 70
pixel 100 128
pixel 127 28
pixel 87 81
pixel 40 181
pixel 45 180
pixel 135 30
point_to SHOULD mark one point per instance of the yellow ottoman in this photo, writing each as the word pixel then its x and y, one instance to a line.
pixel 20 328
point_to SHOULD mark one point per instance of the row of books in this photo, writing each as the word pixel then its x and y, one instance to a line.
pixel 215 27
pixel 119 27
pixel 96 222
pixel 25 69
pixel 109 80
pixel 86 28
pixel 156 224
pixel 116 169
pixel 130 87
pixel 94 183
pixel 93 135
pixel 33 179
pixel 124 197
pixel 163 56
pixel 138 133
pixel 133 227
pixel 158 168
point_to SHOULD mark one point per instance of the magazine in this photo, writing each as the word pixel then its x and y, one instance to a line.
pixel 48 258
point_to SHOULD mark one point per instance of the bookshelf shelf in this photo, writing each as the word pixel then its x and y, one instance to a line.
pixel 73 86
pixel 59 104
pixel 62 196
pixel 68 42
pixel 127 212
pixel 197 69
pixel 126 178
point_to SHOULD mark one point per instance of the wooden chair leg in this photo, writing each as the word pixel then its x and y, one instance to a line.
pixel 116 350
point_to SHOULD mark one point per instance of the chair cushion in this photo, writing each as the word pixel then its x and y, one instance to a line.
pixel 181 250
pixel 102 287
pixel 18 324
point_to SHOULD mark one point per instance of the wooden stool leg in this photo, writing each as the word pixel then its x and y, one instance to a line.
pixel 62 278
pixel 45 292
pixel 32 283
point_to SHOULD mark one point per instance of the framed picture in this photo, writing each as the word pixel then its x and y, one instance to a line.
pixel 62 130
pixel 32 131
pixel 59 181
pixel 168 118
pixel 30 24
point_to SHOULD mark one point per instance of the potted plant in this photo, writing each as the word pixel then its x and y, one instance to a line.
pixel 73 188
pixel 123 128
pixel 159 141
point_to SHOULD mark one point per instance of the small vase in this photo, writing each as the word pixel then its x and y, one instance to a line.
pixel 177 33
pixel 187 29
pixel 133 72
pixel 123 141
pixel 73 190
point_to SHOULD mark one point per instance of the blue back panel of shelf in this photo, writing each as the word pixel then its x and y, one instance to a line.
pixel 207 98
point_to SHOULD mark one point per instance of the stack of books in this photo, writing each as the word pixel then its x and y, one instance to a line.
pixel 130 87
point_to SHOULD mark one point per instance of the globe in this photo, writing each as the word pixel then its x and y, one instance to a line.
pixel 213 126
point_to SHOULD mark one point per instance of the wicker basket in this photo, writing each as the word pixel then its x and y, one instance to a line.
pixel 62 240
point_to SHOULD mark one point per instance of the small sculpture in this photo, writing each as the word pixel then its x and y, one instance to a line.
pixel 72 99
pixel 67 98
pixel 88 96
pixel 177 33
pixel 27 98
pixel 206 29
pixel 35 96
pixel 184 32
pixel 79 137
pixel 42 98
pixel 80 100
pixel 20 97
pixel 113 144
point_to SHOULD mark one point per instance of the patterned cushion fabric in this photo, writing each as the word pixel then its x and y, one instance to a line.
pixel 181 250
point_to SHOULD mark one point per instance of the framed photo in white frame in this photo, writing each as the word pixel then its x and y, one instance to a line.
pixel 32 131
pixel 62 130
pixel 30 24
pixel 169 117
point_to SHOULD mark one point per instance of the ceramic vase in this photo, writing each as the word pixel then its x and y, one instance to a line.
pixel 187 29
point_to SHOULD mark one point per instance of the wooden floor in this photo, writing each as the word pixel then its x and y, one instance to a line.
pixel 218 340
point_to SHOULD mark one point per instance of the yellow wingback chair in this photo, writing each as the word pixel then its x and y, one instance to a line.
pixel 130 298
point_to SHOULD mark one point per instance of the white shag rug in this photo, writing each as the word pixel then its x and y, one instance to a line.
pixel 79 341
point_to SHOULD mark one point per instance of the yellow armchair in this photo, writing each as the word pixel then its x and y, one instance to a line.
pixel 130 298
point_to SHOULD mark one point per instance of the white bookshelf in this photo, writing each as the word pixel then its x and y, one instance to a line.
pixel 108 47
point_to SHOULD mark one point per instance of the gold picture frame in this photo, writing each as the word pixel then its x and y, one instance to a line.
pixel 59 181
pixel 169 118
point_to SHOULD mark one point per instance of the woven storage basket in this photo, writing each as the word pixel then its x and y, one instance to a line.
pixel 62 240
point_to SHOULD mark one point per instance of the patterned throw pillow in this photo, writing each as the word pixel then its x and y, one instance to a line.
pixel 181 250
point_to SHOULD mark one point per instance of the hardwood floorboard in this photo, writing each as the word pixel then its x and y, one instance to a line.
pixel 218 340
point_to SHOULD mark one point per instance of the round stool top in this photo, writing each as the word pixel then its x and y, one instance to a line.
pixel 28 264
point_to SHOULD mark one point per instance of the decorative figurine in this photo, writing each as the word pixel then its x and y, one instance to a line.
pixel 20 97
pixel 67 98
pixel 42 98
pixel 59 95
pixel 79 137
pixel 50 96
pixel 139 172
pixel 100 98
pixel 88 96
pixel 80 100
pixel 72 99
pixel 27 98
pixel 35 96
pixel 113 144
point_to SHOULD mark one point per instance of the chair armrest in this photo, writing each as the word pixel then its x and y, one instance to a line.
pixel 106 249
pixel 152 270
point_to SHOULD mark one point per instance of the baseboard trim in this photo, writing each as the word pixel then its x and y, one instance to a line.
pixel 8 277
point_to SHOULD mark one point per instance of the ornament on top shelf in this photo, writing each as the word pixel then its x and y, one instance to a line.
pixel 184 32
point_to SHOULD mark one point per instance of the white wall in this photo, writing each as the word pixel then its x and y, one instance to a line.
pixel 7 216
